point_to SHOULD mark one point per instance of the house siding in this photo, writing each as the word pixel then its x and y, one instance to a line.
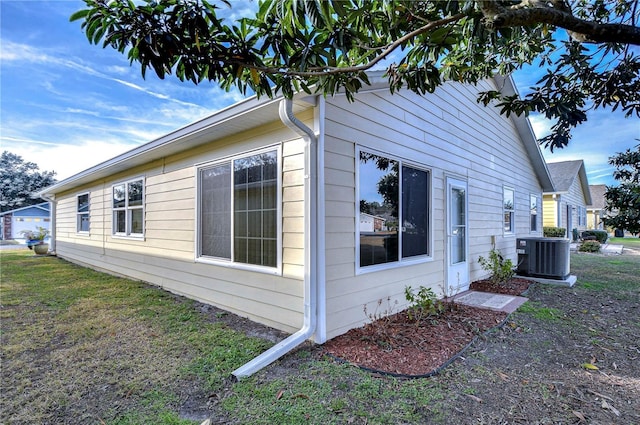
pixel 550 207
pixel 446 132
pixel 166 255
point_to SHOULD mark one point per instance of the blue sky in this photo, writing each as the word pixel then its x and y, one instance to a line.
pixel 68 105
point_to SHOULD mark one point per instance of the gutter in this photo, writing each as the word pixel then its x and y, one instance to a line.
pixel 310 240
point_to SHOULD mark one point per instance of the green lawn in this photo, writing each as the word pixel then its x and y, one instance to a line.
pixel 80 346
pixel 633 243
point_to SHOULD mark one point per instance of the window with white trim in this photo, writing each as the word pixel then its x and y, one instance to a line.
pixel 394 210
pixel 128 208
pixel 533 207
pixel 238 210
pixel 508 209
pixel 82 213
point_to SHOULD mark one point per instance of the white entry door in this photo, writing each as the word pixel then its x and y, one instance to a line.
pixel 457 237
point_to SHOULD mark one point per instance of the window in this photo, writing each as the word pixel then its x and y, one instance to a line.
pixel 533 227
pixel 394 210
pixel 238 210
pixel 128 208
pixel 508 209
pixel 82 222
pixel 582 216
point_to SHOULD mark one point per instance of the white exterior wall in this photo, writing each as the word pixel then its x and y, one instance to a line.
pixel 166 255
pixel 446 132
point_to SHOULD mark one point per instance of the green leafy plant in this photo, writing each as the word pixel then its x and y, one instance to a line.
pixel 501 269
pixel 423 303
pixel 589 246
pixel 553 232
pixel 38 235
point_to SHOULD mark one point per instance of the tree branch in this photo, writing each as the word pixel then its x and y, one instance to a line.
pixel 593 32
pixel 314 72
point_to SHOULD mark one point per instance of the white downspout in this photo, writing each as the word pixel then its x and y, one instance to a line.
pixel 310 259
pixel 52 221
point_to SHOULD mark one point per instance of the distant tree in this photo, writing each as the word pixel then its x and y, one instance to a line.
pixel 19 180
pixel 623 201
pixel 328 45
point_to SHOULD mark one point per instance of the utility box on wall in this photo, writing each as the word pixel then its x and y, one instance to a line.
pixel 543 257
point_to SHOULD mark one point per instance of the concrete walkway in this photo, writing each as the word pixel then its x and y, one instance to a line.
pixel 497 302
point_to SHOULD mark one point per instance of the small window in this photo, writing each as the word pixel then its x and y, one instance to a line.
pixel 394 210
pixel 508 207
pixel 128 208
pixel 533 213
pixel 239 209
pixel 82 222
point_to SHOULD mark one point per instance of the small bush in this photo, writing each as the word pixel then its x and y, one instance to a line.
pixel 422 304
pixel 599 235
pixel 554 232
pixel 501 269
pixel 589 246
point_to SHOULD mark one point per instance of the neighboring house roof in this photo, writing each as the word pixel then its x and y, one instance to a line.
pixel 37 210
pixel 597 196
pixel 253 112
pixel 564 175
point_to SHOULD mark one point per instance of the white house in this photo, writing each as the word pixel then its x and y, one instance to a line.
pixel 256 208
pixel 27 218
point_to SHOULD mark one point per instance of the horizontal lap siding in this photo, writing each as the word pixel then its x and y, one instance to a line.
pixel 166 256
pixel 447 132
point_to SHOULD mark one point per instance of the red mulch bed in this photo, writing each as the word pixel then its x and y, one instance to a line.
pixel 400 346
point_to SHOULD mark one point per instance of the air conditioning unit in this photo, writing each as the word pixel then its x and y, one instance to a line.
pixel 543 257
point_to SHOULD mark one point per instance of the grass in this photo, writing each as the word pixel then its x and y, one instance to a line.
pixel 633 243
pixel 541 312
pixel 85 347
pixel 615 274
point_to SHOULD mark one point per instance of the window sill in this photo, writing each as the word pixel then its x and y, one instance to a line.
pixel 391 266
pixel 276 271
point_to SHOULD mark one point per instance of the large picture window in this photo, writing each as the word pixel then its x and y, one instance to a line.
pixel 508 207
pixel 82 205
pixel 238 210
pixel 394 210
pixel 128 208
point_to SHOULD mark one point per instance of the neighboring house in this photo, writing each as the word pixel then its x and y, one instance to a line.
pixel 24 218
pixel 566 206
pixel 255 209
pixel 595 210
pixel 371 223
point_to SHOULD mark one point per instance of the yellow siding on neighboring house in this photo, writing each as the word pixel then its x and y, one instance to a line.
pixel 550 211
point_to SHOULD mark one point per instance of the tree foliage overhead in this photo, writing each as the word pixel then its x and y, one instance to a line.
pixel 19 180
pixel 623 201
pixel 328 46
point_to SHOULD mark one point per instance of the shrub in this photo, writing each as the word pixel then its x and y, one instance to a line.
pixel 501 269
pixel 589 246
pixel 599 235
pixel 422 304
pixel 554 232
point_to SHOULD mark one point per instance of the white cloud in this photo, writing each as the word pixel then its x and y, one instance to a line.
pixel 66 160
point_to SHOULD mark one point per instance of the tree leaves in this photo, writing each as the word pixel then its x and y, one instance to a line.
pixel 328 45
